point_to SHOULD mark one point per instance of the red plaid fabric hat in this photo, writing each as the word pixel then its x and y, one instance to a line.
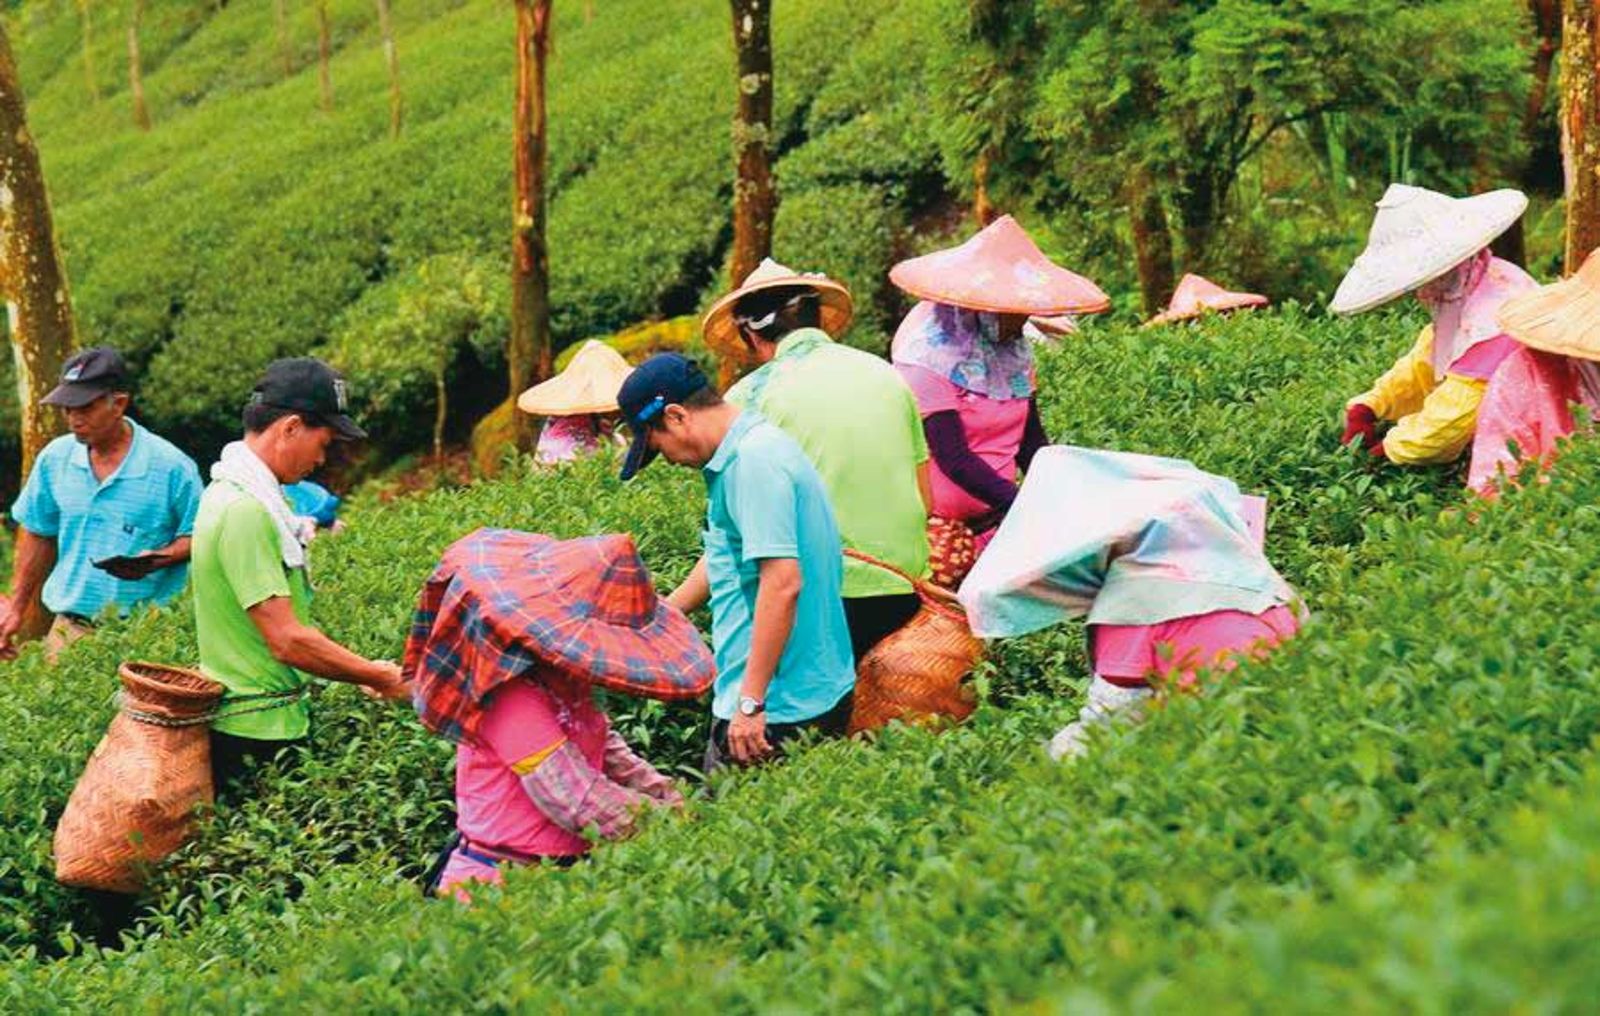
pixel 504 603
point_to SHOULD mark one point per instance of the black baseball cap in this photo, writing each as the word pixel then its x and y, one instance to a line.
pixel 661 381
pixel 97 371
pixel 306 385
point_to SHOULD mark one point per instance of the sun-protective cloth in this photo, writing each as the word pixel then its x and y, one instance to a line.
pixel 588 385
pixel 827 396
pixel 1563 317
pixel 1197 295
pixel 999 270
pixel 1434 417
pixel 1419 235
pixel 1465 302
pixel 965 348
pixel 1118 538
pixel 501 603
pixel 567 438
pixel 722 335
pixel 1529 402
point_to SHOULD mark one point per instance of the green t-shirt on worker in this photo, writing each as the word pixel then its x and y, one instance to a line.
pixel 858 423
pixel 236 562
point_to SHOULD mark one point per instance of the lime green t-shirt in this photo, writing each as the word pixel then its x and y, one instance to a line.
pixel 859 425
pixel 236 562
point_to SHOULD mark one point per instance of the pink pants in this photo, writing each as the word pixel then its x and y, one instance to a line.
pixel 1131 654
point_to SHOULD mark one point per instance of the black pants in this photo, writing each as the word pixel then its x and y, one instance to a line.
pixel 235 759
pixel 833 723
pixel 874 618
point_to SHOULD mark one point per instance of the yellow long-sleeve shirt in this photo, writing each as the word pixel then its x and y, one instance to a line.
pixel 1434 418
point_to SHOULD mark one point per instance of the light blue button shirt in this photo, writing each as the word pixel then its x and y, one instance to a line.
pixel 767 501
pixel 147 503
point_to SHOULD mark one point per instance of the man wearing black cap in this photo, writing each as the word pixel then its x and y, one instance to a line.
pixel 772 568
pixel 107 510
pixel 251 594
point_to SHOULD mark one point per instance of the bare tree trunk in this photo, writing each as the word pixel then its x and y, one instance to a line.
pixel 285 51
pixel 529 354
pixel 392 58
pixel 1152 243
pixel 88 56
pixel 1547 28
pixel 141 112
pixel 1580 128
pixel 324 56
pixel 32 278
pixel 755 198
pixel 982 207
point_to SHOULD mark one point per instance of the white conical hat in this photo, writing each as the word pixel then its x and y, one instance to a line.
pixel 1417 236
pixel 588 385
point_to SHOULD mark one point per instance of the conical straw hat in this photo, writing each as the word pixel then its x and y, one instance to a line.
pixel 588 385
pixel 722 335
pixel 1563 317
pixel 1002 271
pixel 1417 236
pixel 1196 296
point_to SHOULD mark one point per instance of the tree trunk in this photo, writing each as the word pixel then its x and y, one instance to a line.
pixel 324 56
pixel 529 355
pixel 392 58
pixel 1547 28
pixel 755 199
pixel 1580 129
pixel 1152 243
pixel 1199 207
pixel 141 112
pixel 982 207
pixel 32 278
pixel 285 51
pixel 88 56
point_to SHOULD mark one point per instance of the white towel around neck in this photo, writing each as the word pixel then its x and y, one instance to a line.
pixel 244 467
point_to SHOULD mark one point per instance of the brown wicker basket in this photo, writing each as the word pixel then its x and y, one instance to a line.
pixel 135 802
pixel 919 673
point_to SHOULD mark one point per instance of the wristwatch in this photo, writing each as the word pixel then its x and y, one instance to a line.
pixel 750 706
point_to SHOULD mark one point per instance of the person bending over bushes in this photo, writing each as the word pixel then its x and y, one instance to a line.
pixel 251 593
pixel 772 568
pixel 510 636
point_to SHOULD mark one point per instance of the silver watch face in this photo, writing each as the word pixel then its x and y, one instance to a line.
pixel 749 706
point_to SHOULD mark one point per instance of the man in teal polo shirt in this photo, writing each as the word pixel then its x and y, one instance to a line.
pixel 857 422
pixel 772 567
pixel 106 513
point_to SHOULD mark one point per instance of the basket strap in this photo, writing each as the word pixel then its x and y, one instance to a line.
pixel 934 595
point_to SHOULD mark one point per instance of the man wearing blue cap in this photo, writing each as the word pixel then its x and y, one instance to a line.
pixel 107 511
pixel 772 568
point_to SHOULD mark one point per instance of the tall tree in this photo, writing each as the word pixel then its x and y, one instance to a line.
pixel 285 51
pixel 32 278
pixel 324 56
pixel 1580 127
pixel 88 51
pixel 755 198
pixel 529 355
pixel 141 111
pixel 392 57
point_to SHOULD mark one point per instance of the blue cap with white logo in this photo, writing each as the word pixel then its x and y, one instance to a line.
pixel 661 381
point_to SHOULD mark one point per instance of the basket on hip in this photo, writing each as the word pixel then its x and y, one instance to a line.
pixel 918 674
pixel 135 802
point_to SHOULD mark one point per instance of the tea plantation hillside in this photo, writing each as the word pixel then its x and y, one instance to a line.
pixel 1391 813
pixel 248 224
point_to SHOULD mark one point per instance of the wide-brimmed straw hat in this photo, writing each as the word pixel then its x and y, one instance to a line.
pixel 588 385
pixel 1419 235
pixel 1000 270
pixel 1563 317
pixel 503 602
pixel 1196 295
pixel 722 335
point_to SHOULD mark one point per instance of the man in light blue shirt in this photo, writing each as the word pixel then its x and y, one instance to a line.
pixel 772 568
pixel 106 513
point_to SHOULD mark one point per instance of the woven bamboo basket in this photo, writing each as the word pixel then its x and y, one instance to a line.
pixel 135 802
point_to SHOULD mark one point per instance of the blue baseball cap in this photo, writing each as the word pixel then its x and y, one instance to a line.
pixel 663 380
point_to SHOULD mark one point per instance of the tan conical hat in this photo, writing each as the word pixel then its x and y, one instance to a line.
pixel 1563 317
pixel 1002 271
pixel 588 385
pixel 1196 295
pixel 1417 236
pixel 722 335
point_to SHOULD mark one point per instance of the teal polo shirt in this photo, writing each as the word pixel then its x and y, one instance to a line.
pixel 147 503
pixel 765 500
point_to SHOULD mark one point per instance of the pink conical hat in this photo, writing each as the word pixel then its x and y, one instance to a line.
pixel 1196 296
pixel 1002 271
